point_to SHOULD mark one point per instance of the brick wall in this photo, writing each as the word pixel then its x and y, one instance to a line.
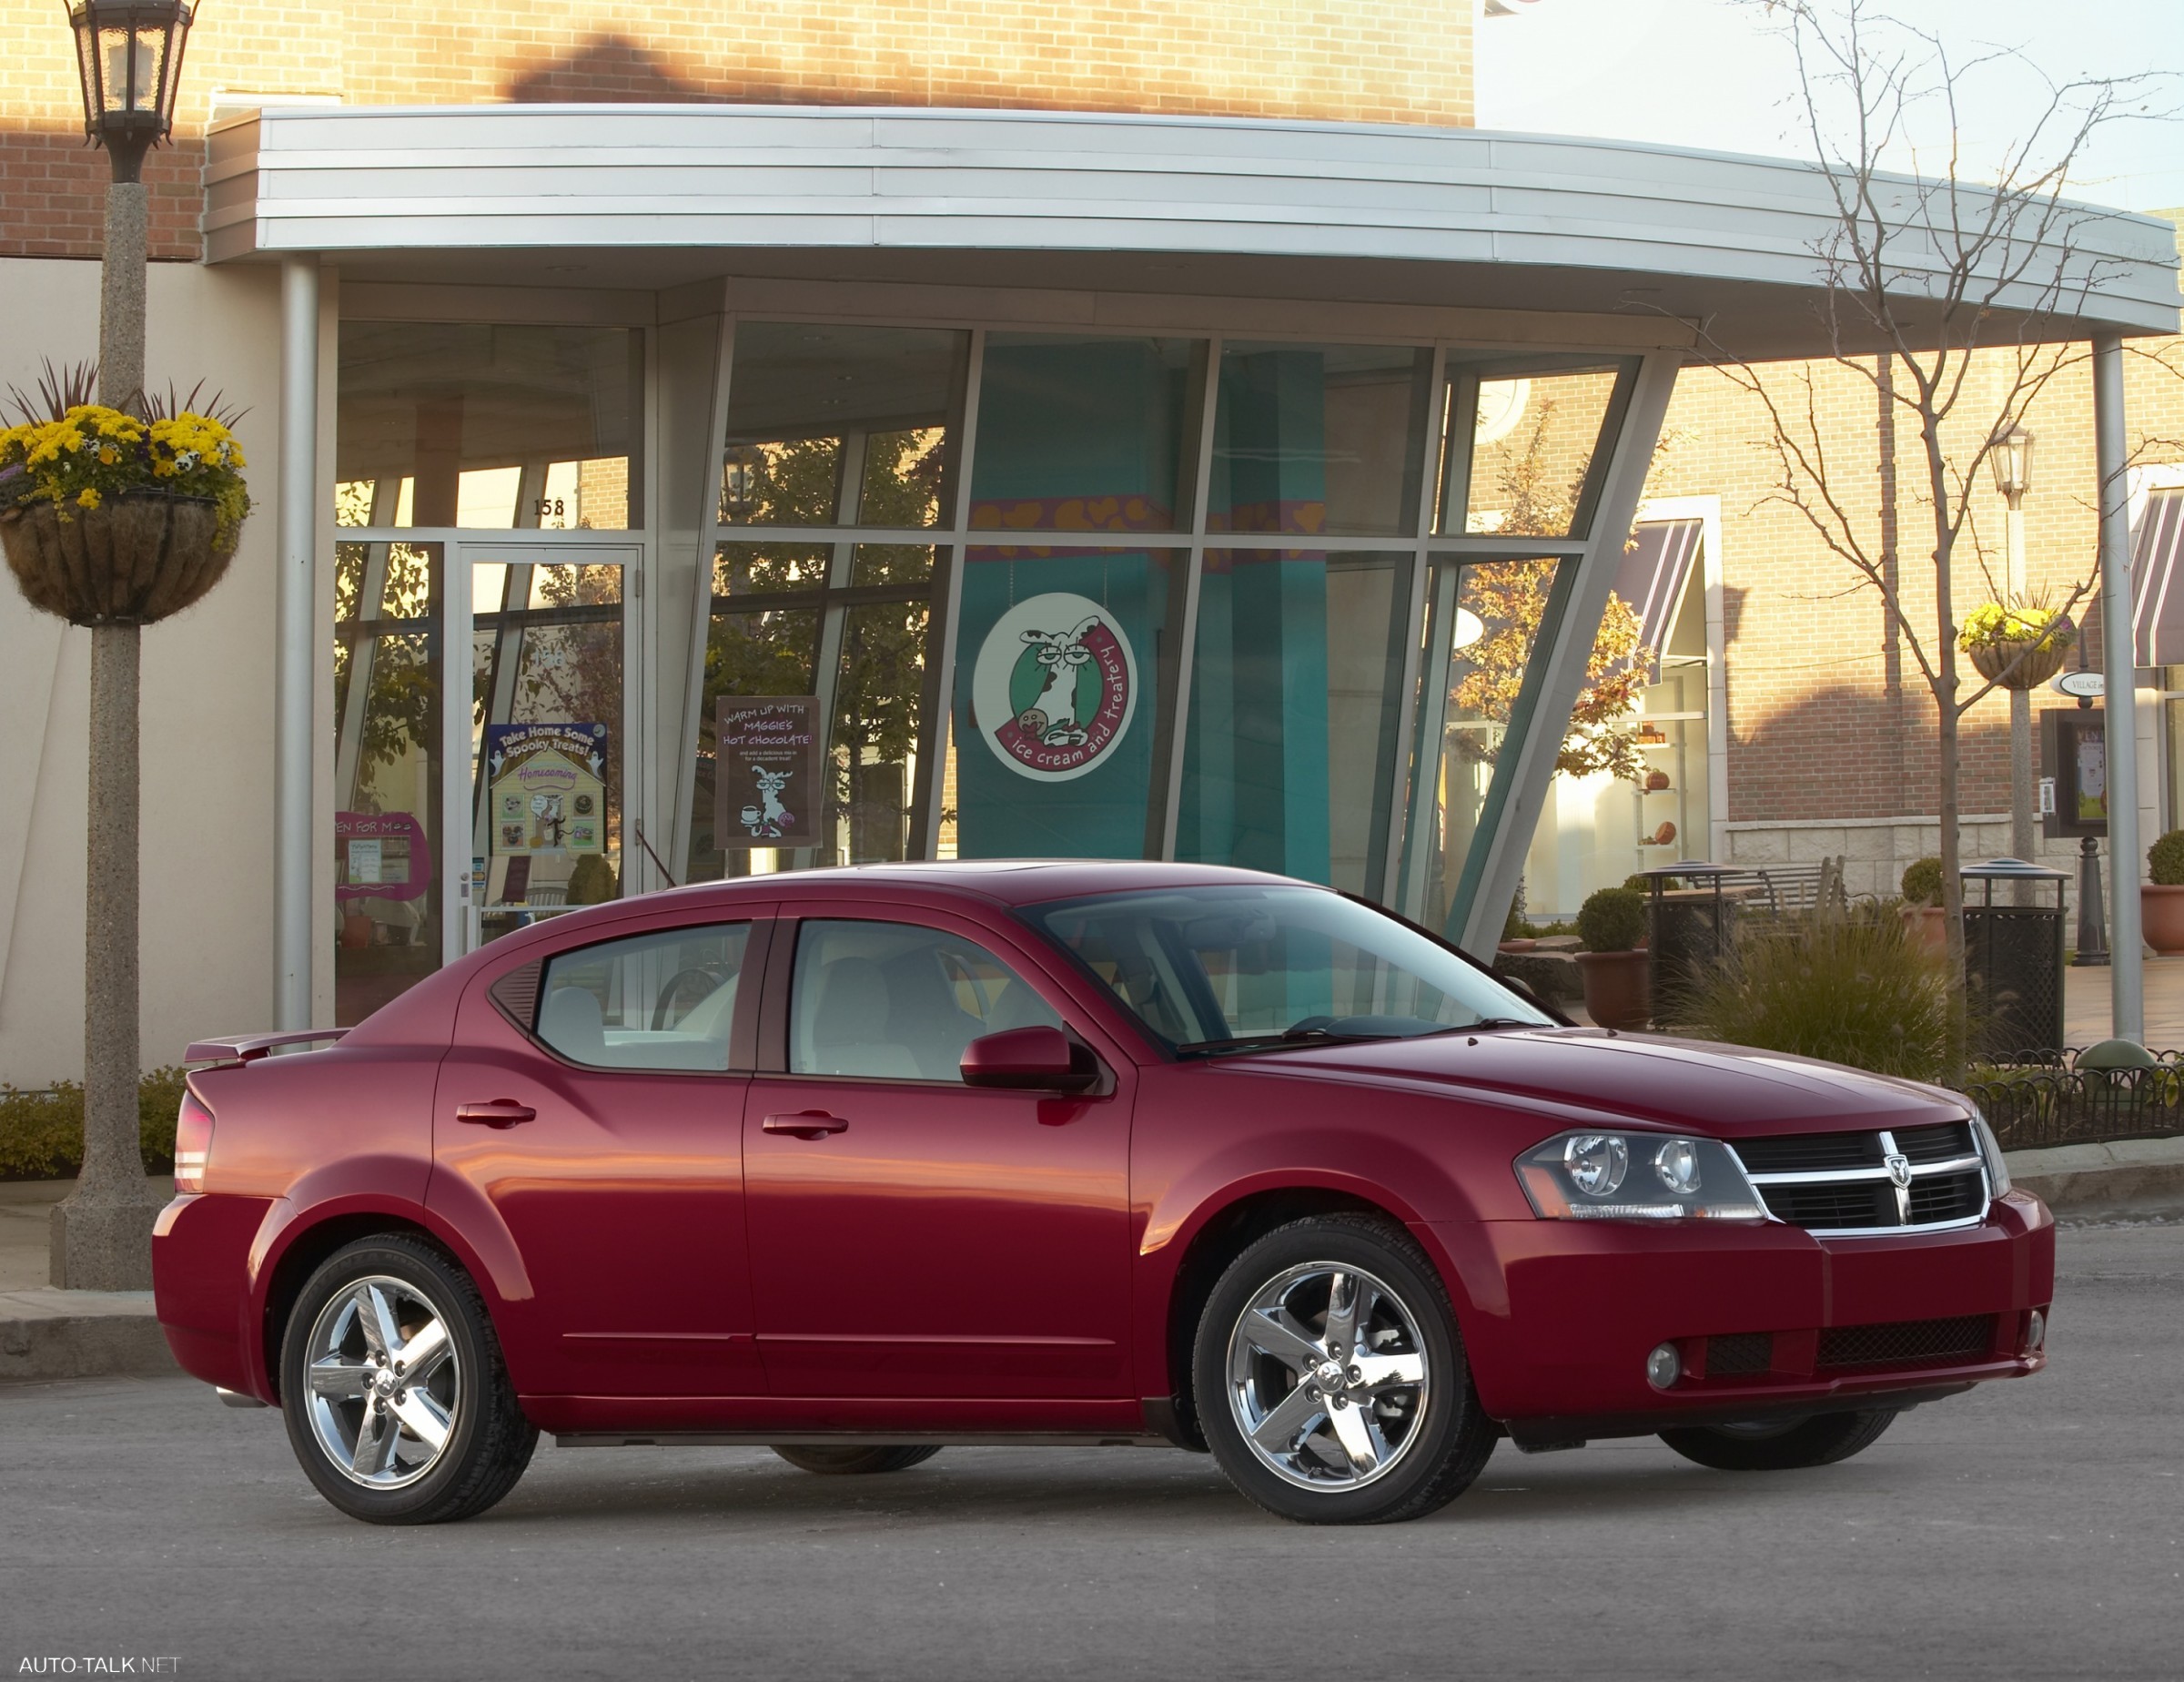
pixel 1398 61
pixel 1829 718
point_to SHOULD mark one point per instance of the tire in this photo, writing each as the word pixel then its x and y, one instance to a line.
pixel 846 1461
pixel 384 1296
pixel 1819 1441
pixel 1264 1339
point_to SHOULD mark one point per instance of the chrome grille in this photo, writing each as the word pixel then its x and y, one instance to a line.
pixel 1868 1183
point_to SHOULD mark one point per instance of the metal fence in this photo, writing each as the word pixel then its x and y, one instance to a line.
pixel 2042 1098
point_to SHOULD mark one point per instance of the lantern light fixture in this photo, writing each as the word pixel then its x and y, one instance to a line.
pixel 2010 455
pixel 128 60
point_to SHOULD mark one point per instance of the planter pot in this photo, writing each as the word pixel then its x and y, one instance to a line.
pixel 2035 664
pixel 1928 925
pixel 1618 993
pixel 356 930
pixel 132 561
pixel 2162 917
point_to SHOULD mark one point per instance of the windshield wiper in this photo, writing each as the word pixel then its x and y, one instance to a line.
pixel 1275 1042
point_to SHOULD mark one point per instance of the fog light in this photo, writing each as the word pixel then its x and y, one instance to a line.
pixel 2035 1332
pixel 1664 1367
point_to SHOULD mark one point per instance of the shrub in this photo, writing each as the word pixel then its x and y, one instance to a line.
pixel 592 883
pixel 2165 860
pixel 1611 919
pixel 1856 990
pixel 1922 881
pixel 42 1133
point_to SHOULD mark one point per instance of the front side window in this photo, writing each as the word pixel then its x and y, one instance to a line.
pixel 1210 969
pixel 899 1001
pixel 665 1000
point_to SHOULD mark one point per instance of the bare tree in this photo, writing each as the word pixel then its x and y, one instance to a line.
pixel 1940 291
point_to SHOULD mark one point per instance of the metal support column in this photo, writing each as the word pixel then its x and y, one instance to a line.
pixel 1512 818
pixel 2127 978
pixel 294 646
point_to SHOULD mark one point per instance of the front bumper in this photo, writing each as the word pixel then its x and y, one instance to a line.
pixel 1563 1314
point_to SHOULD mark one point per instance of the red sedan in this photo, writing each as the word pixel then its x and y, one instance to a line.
pixel 856 1164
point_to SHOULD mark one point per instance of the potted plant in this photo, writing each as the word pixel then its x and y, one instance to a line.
pixel 1611 923
pixel 2161 899
pixel 110 518
pixel 2016 644
pixel 1924 920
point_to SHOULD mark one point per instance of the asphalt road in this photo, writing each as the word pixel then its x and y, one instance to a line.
pixel 2034 1529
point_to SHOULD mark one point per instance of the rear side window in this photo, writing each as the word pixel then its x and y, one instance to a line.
pixel 893 1000
pixel 661 1000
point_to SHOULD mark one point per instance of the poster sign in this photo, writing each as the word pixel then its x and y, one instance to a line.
pixel 766 786
pixel 1055 686
pixel 380 856
pixel 547 788
pixel 2075 745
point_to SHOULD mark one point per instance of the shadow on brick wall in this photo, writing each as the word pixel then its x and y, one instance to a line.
pixel 1841 753
pixel 611 70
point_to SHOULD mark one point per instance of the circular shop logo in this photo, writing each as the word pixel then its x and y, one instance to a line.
pixel 1055 686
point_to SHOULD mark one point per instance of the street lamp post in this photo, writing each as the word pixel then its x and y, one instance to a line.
pixel 128 55
pixel 2011 458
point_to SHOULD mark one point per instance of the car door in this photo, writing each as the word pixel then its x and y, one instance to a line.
pixel 592 1109
pixel 912 1236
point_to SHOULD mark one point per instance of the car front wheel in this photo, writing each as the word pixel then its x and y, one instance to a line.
pixel 397 1401
pixel 1819 1441
pixel 1330 1379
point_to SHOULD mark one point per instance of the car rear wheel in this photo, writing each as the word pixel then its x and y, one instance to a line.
pixel 839 1461
pixel 1819 1441
pixel 1330 1379
pixel 397 1401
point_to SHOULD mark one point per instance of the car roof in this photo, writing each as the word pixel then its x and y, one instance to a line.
pixel 1001 881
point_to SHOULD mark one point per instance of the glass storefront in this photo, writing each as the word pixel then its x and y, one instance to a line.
pixel 1272 604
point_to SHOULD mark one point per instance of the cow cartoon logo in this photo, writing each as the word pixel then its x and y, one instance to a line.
pixel 767 815
pixel 1055 686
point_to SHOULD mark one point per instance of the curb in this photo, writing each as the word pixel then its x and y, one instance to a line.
pixel 2130 1177
pixel 47 1335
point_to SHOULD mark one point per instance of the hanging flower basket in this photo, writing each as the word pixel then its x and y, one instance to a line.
pixel 134 560
pixel 2016 646
pixel 110 519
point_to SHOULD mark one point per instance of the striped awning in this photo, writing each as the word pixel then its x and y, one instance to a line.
pixel 1654 571
pixel 2156 592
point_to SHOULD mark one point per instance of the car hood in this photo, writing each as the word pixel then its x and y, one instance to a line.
pixel 1724 1090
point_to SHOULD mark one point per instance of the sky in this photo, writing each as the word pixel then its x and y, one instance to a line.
pixel 1713 74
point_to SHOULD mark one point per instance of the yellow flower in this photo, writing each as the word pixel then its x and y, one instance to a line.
pixel 87 498
pixel 108 455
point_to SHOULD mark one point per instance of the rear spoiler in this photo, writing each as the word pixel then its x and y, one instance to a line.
pixel 250 1047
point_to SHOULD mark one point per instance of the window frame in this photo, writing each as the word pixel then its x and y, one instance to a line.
pixel 744 1026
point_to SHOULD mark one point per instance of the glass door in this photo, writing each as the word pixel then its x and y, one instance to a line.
pixel 546 747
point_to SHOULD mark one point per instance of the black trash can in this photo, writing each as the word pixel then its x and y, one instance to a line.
pixel 2013 961
pixel 1692 924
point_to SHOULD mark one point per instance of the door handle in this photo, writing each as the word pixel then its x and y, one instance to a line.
pixel 806 1124
pixel 498 1112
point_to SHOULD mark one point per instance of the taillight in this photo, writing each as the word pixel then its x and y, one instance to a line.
pixel 193 1144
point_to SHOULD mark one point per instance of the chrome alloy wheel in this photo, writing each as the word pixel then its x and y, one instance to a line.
pixel 384 1384
pixel 1327 1377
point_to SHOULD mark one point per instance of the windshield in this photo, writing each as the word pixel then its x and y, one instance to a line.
pixel 1211 969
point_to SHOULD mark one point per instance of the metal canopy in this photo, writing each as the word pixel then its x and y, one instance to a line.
pixel 646 197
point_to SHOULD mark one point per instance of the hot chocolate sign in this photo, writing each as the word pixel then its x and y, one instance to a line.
pixel 1055 687
pixel 767 790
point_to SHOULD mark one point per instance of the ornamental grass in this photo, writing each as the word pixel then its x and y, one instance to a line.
pixel 1852 989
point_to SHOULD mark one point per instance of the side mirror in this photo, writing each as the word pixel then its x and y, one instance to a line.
pixel 1032 1059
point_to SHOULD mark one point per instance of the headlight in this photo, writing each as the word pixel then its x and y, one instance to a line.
pixel 1997 1170
pixel 1597 1176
